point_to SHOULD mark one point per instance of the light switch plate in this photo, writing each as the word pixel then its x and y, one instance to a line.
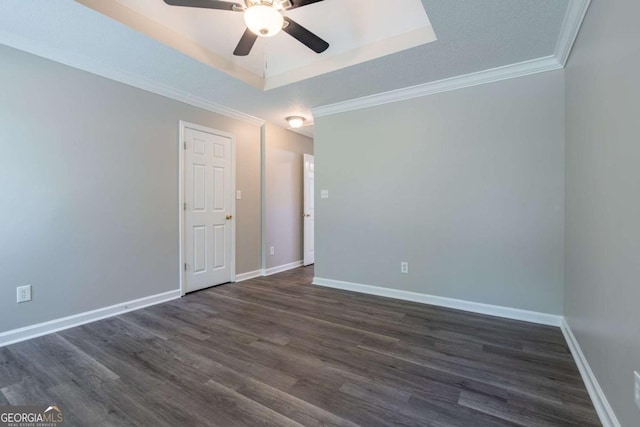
pixel 324 194
pixel 238 194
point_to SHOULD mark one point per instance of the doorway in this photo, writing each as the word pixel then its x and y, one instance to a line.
pixel 207 207
pixel 309 210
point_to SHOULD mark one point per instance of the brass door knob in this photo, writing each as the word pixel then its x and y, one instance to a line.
pixel 229 216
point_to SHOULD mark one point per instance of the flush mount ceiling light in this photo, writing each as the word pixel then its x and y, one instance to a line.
pixel 263 18
pixel 295 122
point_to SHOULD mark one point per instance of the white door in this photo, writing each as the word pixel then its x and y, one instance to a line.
pixel 208 209
pixel 309 214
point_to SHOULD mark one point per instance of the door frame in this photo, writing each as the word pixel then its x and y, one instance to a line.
pixel 305 199
pixel 181 220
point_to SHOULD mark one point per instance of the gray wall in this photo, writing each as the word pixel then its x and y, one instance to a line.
pixel 89 195
pixel 603 198
pixel 283 194
pixel 467 186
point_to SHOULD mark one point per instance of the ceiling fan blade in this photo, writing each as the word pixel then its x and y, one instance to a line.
pixel 207 4
pixel 304 36
pixel 246 43
pixel 300 3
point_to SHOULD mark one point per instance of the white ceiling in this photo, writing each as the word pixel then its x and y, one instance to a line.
pixel 355 34
pixel 473 35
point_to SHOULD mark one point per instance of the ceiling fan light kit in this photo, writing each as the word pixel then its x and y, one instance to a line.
pixel 263 18
pixel 263 21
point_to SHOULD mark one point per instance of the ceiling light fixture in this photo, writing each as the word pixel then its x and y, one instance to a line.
pixel 295 122
pixel 263 20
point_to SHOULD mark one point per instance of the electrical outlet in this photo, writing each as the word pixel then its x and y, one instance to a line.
pixel 404 267
pixel 324 194
pixel 24 293
pixel 637 389
pixel 272 250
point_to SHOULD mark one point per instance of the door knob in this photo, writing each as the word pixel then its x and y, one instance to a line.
pixel 229 216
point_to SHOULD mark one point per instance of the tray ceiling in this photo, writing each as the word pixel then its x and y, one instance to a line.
pixel 356 30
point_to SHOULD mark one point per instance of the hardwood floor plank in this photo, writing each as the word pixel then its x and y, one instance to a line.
pixel 83 407
pixel 12 368
pixel 292 407
pixel 3 399
pixel 247 411
pixel 353 409
pixel 57 360
pixel 526 414
pixel 27 391
pixel 249 366
pixel 445 414
pixel 117 357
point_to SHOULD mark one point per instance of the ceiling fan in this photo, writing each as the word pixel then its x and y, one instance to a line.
pixel 263 18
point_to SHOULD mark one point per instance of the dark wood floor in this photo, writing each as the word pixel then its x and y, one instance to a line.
pixel 278 351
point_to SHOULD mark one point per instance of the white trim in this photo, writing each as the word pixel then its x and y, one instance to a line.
pixel 267 272
pixel 600 402
pixel 474 307
pixel 222 110
pixel 181 260
pixel 183 125
pixel 181 276
pixel 263 198
pixel 576 12
pixel 247 276
pixel 33 331
pixel 281 268
pixel 534 66
pixel 137 81
pixel 234 217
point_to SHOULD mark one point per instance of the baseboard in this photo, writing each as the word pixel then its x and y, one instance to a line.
pixel 246 276
pixel 600 402
pixel 33 331
pixel 281 268
pixel 474 307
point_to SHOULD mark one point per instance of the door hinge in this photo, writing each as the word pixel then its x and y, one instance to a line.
pixel 185 266
pixel 185 145
pixel 185 206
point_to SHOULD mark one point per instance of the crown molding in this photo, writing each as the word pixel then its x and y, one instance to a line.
pixel 221 109
pixel 573 18
pixel 506 72
pixel 137 81
pixel 576 12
